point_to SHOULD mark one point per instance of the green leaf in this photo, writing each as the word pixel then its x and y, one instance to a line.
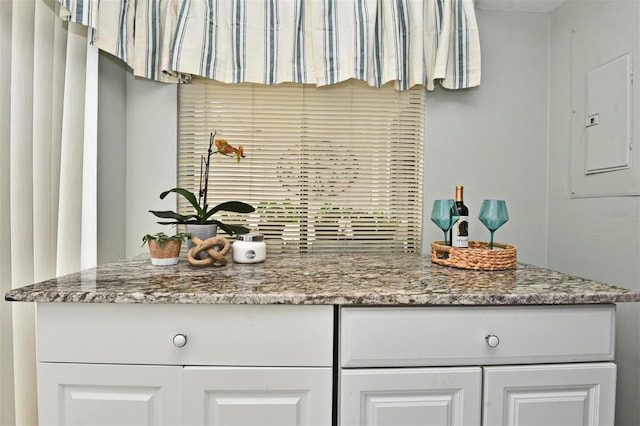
pixel 168 214
pixel 201 215
pixel 161 237
pixel 233 229
pixel 231 206
pixel 189 196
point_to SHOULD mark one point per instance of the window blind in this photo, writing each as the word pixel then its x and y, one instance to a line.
pixel 329 169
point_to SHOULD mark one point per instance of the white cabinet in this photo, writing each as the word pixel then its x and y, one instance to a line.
pixel 392 358
pixel 550 395
pixel 93 394
pixel 126 395
pixel 431 336
pixel 249 396
pixel 411 396
pixel 239 364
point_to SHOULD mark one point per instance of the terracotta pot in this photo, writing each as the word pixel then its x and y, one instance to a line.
pixel 167 255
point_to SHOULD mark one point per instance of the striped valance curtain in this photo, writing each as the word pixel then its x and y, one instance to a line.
pixel 320 42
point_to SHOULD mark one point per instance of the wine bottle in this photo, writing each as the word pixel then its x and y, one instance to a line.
pixel 460 229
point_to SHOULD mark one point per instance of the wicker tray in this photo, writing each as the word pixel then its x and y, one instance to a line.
pixel 477 256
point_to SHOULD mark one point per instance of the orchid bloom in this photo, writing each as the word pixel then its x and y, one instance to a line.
pixel 225 148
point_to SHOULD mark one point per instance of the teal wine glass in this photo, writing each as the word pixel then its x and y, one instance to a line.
pixel 444 214
pixel 493 214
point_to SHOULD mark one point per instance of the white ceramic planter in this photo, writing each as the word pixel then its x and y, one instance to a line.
pixel 156 261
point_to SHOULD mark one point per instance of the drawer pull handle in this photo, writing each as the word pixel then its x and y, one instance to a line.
pixel 180 340
pixel 492 340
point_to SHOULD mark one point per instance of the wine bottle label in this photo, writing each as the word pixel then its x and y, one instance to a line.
pixel 460 233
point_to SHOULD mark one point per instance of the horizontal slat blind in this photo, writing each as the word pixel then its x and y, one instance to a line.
pixel 329 169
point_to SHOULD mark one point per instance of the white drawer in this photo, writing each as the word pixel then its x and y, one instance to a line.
pixel 430 336
pixel 248 335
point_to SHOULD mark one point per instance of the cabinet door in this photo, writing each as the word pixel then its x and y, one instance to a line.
pixel 97 394
pixel 411 397
pixel 550 395
pixel 257 396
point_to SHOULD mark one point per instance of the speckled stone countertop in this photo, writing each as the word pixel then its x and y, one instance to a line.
pixel 320 279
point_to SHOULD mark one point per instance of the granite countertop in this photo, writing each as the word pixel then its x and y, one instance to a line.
pixel 321 279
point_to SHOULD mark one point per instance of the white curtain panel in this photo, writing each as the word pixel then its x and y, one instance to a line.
pixel 321 42
pixel 45 156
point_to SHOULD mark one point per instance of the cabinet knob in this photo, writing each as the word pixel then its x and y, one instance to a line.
pixel 180 340
pixel 492 340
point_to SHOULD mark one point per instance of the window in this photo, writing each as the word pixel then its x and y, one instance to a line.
pixel 329 169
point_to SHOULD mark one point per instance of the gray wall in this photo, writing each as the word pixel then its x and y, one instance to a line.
pixel 112 121
pixel 493 139
pixel 508 138
pixel 137 157
pixel 499 150
pixel 594 237
pixel 152 129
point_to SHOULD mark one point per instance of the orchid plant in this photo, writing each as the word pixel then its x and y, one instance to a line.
pixel 203 214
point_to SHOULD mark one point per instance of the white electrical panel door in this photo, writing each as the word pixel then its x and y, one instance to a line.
pixel 608 122
pixel 604 54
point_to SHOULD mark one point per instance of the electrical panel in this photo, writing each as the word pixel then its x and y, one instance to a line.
pixel 603 159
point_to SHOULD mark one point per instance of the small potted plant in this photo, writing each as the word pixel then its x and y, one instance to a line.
pixel 165 249
pixel 203 213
